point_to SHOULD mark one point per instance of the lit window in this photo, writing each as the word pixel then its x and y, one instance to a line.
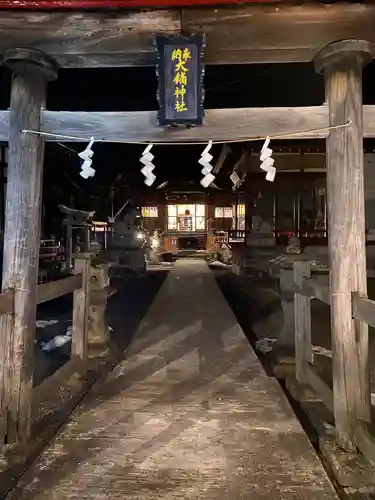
pixel 172 223
pixel 150 212
pixel 239 221
pixel 223 212
pixel 172 210
pixel 200 210
pixel 186 218
pixel 240 209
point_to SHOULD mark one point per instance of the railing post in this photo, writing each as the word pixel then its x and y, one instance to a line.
pixel 98 335
pixel 302 322
pixel 81 308
pixel 287 333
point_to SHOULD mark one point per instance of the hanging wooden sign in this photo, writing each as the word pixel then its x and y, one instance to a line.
pixel 180 72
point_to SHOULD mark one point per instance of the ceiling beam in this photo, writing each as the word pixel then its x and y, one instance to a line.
pixel 235 34
pixel 223 125
pixel 287 162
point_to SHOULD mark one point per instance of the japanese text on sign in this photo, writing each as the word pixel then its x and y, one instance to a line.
pixel 180 73
pixel 180 57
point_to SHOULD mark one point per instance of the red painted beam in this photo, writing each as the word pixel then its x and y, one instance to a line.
pixel 131 4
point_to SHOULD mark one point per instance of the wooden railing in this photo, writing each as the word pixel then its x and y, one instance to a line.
pixel 17 425
pixel 363 309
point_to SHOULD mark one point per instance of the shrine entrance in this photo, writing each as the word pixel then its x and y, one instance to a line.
pixel 342 121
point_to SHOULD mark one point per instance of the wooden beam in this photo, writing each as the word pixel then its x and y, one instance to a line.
pixel 54 289
pixel 225 150
pixel 220 125
pixel 88 39
pixel 364 309
pixel 290 162
pixel 235 34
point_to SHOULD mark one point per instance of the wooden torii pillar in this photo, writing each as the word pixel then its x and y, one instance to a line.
pixel 342 63
pixel 31 70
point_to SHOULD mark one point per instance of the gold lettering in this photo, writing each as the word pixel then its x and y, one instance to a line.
pixel 186 55
pixel 180 92
pixel 181 56
pixel 180 106
pixel 177 54
pixel 180 67
pixel 180 79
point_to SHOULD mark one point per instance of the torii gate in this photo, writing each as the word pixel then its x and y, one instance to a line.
pixel 341 63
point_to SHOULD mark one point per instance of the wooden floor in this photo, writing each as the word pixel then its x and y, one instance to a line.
pixel 188 414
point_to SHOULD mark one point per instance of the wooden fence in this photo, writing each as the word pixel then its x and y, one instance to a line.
pixel 363 309
pixel 14 429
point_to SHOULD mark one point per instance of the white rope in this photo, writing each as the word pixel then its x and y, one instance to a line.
pixel 188 143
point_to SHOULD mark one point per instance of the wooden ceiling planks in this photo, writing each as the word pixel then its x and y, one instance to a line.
pixel 277 34
pixel 235 34
pixel 90 39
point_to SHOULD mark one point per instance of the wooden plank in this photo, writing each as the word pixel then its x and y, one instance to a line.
pixel 320 387
pixel 302 323
pixel 88 39
pixel 235 34
pixel 314 289
pixel 51 384
pixel 55 289
pixel 264 34
pixel 31 71
pixel 363 309
pixel 6 303
pixel 342 63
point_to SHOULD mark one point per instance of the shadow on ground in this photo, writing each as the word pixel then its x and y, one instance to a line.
pixel 125 311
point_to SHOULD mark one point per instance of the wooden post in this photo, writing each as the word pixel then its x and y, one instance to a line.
pixel 32 70
pixel 287 333
pixel 81 308
pixel 342 63
pixel 98 334
pixel 302 322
